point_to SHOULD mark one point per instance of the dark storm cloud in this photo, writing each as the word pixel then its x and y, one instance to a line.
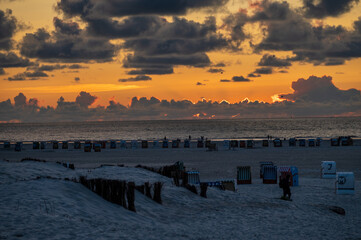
pixel 129 27
pixel 234 24
pixel 219 65
pixel 240 79
pixel 85 99
pixel 253 75
pixel 196 60
pixel 163 64
pixel 8 26
pixel 327 8
pixel 158 45
pixel 320 89
pixel 67 28
pixel 67 43
pixel 36 75
pixel 111 8
pixel 273 61
pixel 215 70
pixel 288 30
pixel 151 71
pixel 136 79
pixel 10 60
pixel 177 43
pixel 50 68
pixel 236 79
pixel 76 66
pixel 264 70
pixel 357 25
pixel 20 100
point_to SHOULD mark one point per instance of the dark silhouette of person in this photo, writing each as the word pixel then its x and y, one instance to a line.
pixel 285 185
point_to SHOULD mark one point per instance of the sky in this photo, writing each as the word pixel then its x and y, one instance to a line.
pixel 96 60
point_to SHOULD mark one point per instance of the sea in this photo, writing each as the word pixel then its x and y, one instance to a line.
pixel 174 129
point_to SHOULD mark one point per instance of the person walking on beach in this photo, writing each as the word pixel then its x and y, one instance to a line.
pixel 285 185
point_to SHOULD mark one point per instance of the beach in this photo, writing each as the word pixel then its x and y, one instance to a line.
pixel 37 203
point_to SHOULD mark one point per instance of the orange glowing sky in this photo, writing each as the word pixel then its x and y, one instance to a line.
pixel 101 79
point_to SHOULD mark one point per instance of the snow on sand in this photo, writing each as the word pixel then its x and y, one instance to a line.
pixel 54 208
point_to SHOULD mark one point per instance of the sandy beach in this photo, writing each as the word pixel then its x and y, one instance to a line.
pixel 36 207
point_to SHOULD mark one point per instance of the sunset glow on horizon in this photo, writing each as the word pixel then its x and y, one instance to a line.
pixel 183 51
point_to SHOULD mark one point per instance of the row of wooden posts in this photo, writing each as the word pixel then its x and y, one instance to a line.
pixel 122 192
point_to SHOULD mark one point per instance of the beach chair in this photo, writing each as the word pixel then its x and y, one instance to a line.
pixel 335 142
pixel 175 143
pixel 302 143
pixel 328 169
pixel 7 145
pixel 346 141
pixel 134 144
pixel 212 147
pixel 113 144
pixel 269 174
pixel 77 145
pixel 123 144
pixel 103 144
pixel 165 144
pixel 261 165
pixel 208 143
pixel 244 175
pixel 55 145
pixel 97 147
pixel 36 145
pixel 187 143
pixel 64 145
pixel 226 144
pixel 192 177
pixel 265 143
pixel 277 142
pixel 311 142
pixel 292 142
pixel 18 146
pixel 42 145
pixel 345 183
pixel 200 144
pixel 144 144
pixel 242 144
pixel 250 143
pixel 234 144
pixel 87 146
pixel 290 171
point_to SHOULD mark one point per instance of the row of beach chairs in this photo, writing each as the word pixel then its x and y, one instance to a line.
pixel 212 146
pixel 270 174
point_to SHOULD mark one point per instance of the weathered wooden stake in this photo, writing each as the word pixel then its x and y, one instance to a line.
pixel 204 187
pixel 147 187
pixel 157 192
pixel 131 196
